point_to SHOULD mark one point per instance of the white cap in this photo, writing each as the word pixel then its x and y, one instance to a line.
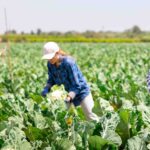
pixel 49 50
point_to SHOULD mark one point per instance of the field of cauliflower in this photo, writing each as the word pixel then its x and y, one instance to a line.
pixel 116 74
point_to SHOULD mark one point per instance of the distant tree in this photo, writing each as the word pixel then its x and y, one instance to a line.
pixel 32 32
pixel 39 31
pixel 13 31
pixel 136 30
pixel 71 33
pixel 22 32
pixel 55 33
pixel 7 32
pixel 133 32
pixel 89 34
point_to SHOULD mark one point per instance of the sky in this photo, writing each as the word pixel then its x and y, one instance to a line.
pixel 74 15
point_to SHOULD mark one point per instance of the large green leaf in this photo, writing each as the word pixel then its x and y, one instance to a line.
pixel 98 143
pixel 136 143
pixel 25 146
pixel 65 144
pixel 108 124
pixel 1 143
pixel 123 128
pixel 145 111
pixel 3 125
pixel 37 98
pixel 34 133
pixel 112 136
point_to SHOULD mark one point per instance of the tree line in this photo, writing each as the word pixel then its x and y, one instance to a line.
pixel 134 34
pixel 135 30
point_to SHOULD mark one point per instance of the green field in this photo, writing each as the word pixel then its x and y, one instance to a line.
pixel 116 74
pixel 73 38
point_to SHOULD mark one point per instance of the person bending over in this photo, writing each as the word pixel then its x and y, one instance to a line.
pixel 62 69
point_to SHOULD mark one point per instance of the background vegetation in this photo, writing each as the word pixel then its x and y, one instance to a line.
pixel 135 34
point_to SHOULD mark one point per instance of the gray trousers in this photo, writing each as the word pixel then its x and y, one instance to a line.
pixel 87 105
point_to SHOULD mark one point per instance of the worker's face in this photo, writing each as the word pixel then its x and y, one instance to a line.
pixel 55 59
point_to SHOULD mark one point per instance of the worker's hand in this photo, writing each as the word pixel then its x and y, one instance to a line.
pixel 68 99
pixel 45 91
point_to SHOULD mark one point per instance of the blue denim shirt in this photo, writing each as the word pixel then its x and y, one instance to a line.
pixel 68 74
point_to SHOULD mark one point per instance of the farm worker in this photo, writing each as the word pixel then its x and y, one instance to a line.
pixel 62 69
pixel 148 81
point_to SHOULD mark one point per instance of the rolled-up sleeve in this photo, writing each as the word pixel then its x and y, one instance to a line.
pixel 50 81
pixel 72 70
